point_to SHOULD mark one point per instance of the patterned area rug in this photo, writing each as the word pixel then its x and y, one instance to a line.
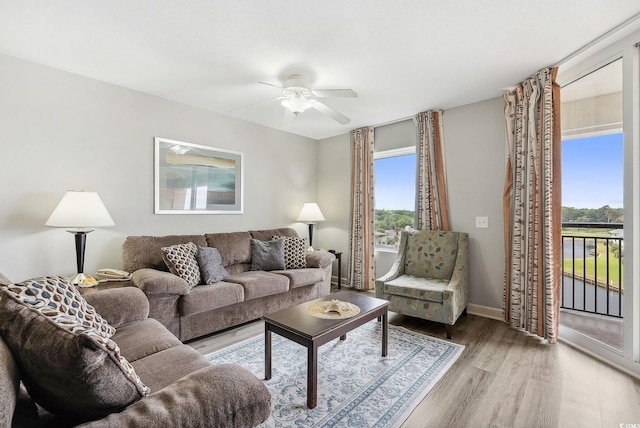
pixel 357 387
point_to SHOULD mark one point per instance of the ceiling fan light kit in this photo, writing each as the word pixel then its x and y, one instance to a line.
pixel 298 96
pixel 296 103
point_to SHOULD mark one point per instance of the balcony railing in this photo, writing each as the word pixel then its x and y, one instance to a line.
pixel 592 273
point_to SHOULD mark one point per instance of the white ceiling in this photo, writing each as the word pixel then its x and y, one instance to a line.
pixel 401 57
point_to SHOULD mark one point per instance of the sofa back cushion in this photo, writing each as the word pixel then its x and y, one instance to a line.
pixel 268 234
pixel 139 252
pixel 68 363
pixel 234 248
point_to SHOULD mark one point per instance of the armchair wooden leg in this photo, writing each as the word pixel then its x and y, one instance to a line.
pixel 449 329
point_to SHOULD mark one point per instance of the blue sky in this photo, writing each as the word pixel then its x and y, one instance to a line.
pixel 592 172
pixel 395 183
pixel 591 175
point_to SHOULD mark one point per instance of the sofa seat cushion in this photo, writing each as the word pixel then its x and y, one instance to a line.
pixel 165 367
pixel 209 297
pixel 302 277
pixel 417 288
pixel 140 339
pixel 259 283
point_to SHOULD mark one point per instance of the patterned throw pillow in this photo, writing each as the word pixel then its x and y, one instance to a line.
pixel 69 363
pixel 295 252
pixel 56 296
pixel 181 260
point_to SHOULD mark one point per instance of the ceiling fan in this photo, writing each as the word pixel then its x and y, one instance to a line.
pixel 298 96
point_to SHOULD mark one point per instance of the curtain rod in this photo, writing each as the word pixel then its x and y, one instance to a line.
pixel 599 39
pixel 391 122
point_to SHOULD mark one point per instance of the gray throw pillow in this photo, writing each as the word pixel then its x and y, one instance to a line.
pixel 210 262
pixel 267 255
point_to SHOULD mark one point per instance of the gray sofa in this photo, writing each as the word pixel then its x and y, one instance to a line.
pixel 185 389
pixel 244 296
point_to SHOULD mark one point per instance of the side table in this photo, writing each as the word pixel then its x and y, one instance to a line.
pixel 338 255
pixel 105 285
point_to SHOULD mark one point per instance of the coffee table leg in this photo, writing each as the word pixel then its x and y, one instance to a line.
pixel 312 376
pixel 385 332
pixel 267 352
pixel 343 337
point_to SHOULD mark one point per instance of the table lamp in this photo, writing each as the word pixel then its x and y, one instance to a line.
pixel 80 211
pixel 310 214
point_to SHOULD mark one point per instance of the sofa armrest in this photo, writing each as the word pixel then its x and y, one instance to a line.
pixel 153 281
pixel 224 395
pixel 319 259
pixel 120 306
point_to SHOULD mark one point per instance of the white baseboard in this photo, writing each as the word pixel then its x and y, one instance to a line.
pixel 485 311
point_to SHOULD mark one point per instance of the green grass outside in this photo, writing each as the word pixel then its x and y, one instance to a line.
pixel 600 262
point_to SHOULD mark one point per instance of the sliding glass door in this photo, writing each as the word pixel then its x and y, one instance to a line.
pixel 600 117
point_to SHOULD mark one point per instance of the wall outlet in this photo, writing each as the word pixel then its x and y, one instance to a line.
pixel 482 222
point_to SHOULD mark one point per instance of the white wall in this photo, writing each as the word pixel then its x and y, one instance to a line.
pixel 60 131
pixel 474 139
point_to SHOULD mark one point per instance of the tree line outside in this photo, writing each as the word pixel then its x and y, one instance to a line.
pixel 604 214
pixel 387 220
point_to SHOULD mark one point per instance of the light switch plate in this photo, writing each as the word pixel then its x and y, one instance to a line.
pixel 482 222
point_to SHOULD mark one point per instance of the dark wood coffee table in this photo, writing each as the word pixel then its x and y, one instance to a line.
pixel 298 325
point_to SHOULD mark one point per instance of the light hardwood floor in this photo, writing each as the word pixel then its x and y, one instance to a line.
pixel 505 378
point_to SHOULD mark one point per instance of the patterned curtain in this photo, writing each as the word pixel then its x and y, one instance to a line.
pixel 361 245
pixel 431 190
pixel 532 206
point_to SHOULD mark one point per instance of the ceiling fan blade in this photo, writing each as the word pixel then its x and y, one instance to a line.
pixel 271 84
pixel 287 119
pixel 333 114
pixel 344 93
pixel 257 104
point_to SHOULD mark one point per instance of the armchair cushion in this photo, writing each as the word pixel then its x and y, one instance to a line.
pixel 431 255
pixel 417 288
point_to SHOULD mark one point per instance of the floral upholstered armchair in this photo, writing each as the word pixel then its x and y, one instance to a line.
pixel 429 278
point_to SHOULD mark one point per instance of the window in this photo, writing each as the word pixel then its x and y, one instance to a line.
pixel 592 205
pixel 395 195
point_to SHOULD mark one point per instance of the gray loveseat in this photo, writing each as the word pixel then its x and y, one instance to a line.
pixel 245 295
pixel 69 373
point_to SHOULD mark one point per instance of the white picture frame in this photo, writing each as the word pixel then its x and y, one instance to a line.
pixel 196 179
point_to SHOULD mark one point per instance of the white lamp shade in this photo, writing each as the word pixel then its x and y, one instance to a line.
pixel 310 213
pixel 79 209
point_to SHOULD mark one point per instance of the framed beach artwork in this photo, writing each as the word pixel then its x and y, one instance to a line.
pixel 194 179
